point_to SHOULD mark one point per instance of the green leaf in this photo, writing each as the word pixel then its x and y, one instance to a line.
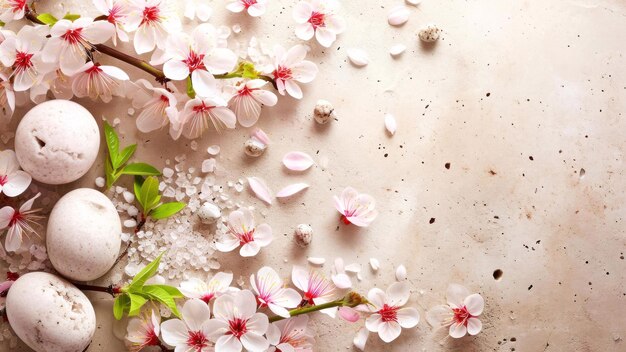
pixel 138 181
pixel 146 273
pixel 248 70
pixel 136 302
pixel 113 144
pixel 154 292
pixel 121 304
pixel 71 16
pixel 149 194
pixel 125 154
pixel 166 210
pixel 47 18
pixel 142 169
pixel 110 174
pixel 191 93
pixel 171 290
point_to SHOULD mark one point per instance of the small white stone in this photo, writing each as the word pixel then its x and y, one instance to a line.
pixel 316 260
pixel 358 57
pixel 303 235
pixel 209 213
pixel 213 150
pixel 167 172
pixel 324 112
pixel 397 49
pixel 128 197
pixel 414 2
pixel 375 264
pixel 398 15
pixel 401 273
pixel 390 124
pixel 254 147
pixel 208 165
pixel 429 33
pixel 236 28
pixel 100 182
pixel 131 111
pixel 193 145
pixel 130 223
pixel 132 211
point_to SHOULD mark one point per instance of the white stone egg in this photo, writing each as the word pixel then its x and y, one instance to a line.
pixel 57 142
pixel 50 314
pixel 84 235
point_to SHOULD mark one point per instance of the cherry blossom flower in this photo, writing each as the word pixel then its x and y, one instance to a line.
pixel 237 324
pixel 460 314
pixel 255 8
pixel 144 331
pixel 248 100
pixel 356 208
pixel 207 291
pixel 69 41
pixel 200 112
pixel 7 99
pixel 316 287
pixel 290 335
pixel 18 222
pixel 318 18
pixel 157 105
pixel 152 21
pixel 22 52
pixel 13 181
pixel 271 292
pixel 192 333
pixel 116 12
pixel 198 55
pixel 12 10
pixel 199 9
pixel 98 81
pixel 243 232
pixel 389 317
pixel 290 67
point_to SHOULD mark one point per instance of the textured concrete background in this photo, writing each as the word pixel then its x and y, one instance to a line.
pixel 518 96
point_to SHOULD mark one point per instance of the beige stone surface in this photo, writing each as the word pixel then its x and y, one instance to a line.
pixel 518 97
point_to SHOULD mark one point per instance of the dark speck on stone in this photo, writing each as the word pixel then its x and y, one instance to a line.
pixel 431 221
pixel 447 165
pixel 531 158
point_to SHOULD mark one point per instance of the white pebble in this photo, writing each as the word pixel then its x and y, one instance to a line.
pixel 193 145
pixel 390 124
pixel 130 223
pixel 401 273
pixel 397 49
pixel 316 260
pixel 324 112
pixel 167 172
pixel 254 147
pixel 131 111
pixel 358 57
pixel 128 197
pixel 208 165
pixel 375 264
pixel 100 182
pixel 132 210
pixel 213 150
pixel 429 33
pixel 303 235
pixel 398 15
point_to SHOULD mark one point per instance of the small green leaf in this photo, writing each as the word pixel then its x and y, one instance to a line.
pixel 121 304
pixel 154 292
pixel 136 302
pixel 125 154
pixel 146 273
pixel 113 144
pixel 149 194
pixel 110 174
pixel 142 169
pixel 171 290
pixel 137 182
pixel 191 93
pixel 2 24
pixel 71 16
pixel 248 70
pixel 166 210
pixel 47 18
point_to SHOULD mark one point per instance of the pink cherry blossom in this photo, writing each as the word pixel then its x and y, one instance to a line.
pixel 13 181
pixel 291 335
pixel 22 52
pixel 192 333
pixel 243 232
pixel 255 8
pixel 69 41
pixel 157 105
pixel 7 99
pixel 460 314
pixel 356 208
pixel 207 291
pixel 200 113
pixel 237 324
pixel 116 12
pixel 248 100
pixel 317 288
pixel 318 18
pixel 98 81
pixel 199 56
pixel 12 10
pixel 18 222
pixel 152 21
pixel 290 67
pixel 144 331
pixel 388 317
pixel 271 292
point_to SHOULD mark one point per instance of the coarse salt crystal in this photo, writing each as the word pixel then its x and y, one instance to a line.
pixel 167 172
pixel 128 197
pixel 130 223
pixel 401 273
pixel 208 165
pixel 375 264
pixel 316 260
pixel 213 150
pixel 193 145
pixel 100 181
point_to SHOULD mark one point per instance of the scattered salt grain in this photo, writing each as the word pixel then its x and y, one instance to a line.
pixel 193 145
pixel 130 223
pixel 375 264
pixel 390 124
pixel 167 172
pixel 316 260
pixel 100 182
pixel 132 211
pixel 209 213
pixel 213 150
pixel 397 49
pixel 209 165
pixel 131 111
pixel 398 15
pixel 236 28
pixel 358 57
pixel 128 197
pixel 401 273
pixel 116 121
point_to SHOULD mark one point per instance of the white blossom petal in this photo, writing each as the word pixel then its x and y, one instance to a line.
pixel 297 161
pixel 291 190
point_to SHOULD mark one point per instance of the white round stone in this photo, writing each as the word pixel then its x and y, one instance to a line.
pixel 84 235
pixel 50 314
pixel 429 34
pixel 303 235
pixel 324 112
pixel 57 142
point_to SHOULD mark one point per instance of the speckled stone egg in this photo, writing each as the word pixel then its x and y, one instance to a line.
pixel 50 314
pixel 57 142
pixel 84 235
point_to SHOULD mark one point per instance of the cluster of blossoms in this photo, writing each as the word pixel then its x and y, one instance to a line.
pixel 61 58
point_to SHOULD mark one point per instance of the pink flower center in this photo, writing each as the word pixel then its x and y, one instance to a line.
pixel 202 108
pixel 318 286
pixel 3 180
pixel 345 219
pixel 283 73
pixel 245 91
pixel 94 70
pixel 197 340
pixel 317 19
pixel 388 313
pixel 194 61
pixel 150 14
pixel 246 237
pixel 207 297
pixel 248 3
pixel 17 5
pixel 237 327
pixel 17 217
pixel 461 315
pixel 151 339
pixel 73 36
pixel 114 14
pixel 164 99
pixel 23 61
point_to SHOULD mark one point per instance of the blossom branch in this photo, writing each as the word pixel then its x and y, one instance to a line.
pixel 352 299
pixel 113 290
